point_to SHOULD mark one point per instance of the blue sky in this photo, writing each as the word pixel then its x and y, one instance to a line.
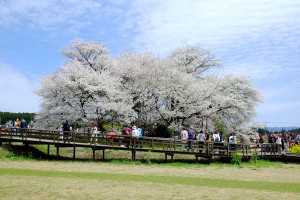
pixel 257 38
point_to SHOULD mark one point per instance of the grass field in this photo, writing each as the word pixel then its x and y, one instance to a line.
pixel 31 178
pixel 89 180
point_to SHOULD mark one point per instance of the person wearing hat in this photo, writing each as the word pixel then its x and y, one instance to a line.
pixel 134 132
pixel 135 136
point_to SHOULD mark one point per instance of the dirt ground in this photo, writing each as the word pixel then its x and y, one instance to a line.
pixel 286 173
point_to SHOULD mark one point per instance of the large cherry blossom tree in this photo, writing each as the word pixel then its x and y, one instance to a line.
pixel 84 89
pixel 173 90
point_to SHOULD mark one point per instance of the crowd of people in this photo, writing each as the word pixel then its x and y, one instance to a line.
pixel 94 132
pixel 187 136
pixel 17 125
pixel 282 140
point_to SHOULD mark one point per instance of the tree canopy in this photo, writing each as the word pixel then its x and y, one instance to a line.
pixel 9 117
pixel 146 89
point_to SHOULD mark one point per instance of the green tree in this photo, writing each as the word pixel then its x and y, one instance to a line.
pixel 7 116
pixel 219 126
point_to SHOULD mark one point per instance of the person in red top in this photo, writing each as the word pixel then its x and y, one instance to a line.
pixel 110 135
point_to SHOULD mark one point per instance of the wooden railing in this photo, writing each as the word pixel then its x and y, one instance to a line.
pixel 164 145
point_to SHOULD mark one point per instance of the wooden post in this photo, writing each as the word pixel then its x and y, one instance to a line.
pixel 26 149
pixel 152 144
pixel 243 149
pixel 74 148
pixel 103 154
pixel 133 154
pixel 57 151
pixel 48 150
pixel 11 134
pixel 228 146
pixel 209 159
pixel 93 154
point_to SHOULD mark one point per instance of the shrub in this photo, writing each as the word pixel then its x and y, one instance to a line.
pixel 254 158
pixel 236 158
pixel 9 155
pixel 295 149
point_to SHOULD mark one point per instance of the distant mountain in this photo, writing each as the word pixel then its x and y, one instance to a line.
pixel 280 128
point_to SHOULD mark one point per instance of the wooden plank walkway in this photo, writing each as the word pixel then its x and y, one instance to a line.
pixel 167 146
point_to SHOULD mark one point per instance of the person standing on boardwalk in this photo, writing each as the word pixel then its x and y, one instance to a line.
pixel 134 132
pixel 216 136
pixel 126 131
pixel 23 125
pixel 135 136
pixel 190 138
pixel 16 125
pixel 94 132
pixel 286 138
pixel 184 137
pixel 232 141
pixel 201 138
pixel 140 136
pixel 207 141
pixel 66 131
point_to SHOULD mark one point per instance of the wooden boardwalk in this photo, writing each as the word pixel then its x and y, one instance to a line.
pixel 167 146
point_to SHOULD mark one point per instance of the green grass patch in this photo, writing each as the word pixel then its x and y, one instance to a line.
pixel 39 152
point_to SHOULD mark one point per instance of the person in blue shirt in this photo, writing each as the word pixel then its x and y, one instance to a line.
pixel 23 126
pixel 140 131
pixel 190 138
pixel 23 123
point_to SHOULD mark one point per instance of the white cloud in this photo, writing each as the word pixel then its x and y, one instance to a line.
pixel 259 38
pixel 165 24
pixel 263 71
pixel 253 37
pixel 17 91
pixel 51 15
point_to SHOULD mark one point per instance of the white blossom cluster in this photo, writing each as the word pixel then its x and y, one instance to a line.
pixel 144 88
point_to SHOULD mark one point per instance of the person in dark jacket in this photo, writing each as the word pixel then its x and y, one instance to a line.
pixel 23 125
pixel 190 138
pixel 66 130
